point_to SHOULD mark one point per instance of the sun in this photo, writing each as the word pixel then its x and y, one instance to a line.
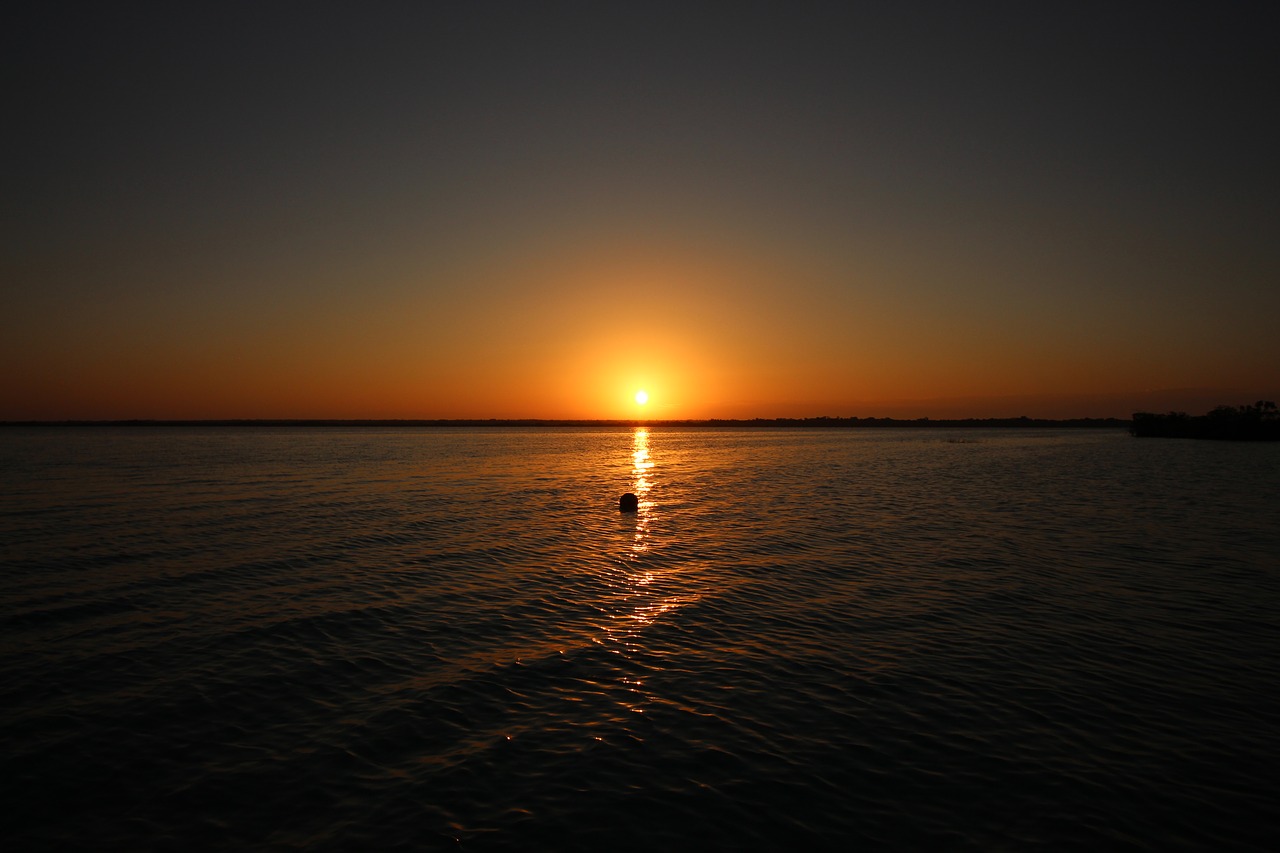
pixel 642 397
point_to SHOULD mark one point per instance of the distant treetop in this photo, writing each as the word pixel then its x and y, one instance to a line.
pixel 1257 422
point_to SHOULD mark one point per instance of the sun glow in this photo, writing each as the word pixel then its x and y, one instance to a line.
pixel 642 397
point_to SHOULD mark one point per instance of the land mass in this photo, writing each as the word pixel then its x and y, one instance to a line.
pixel 1257 422
pixel 817 422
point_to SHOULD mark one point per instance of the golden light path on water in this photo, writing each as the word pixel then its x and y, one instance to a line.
pixel 642 464
pixel 647 587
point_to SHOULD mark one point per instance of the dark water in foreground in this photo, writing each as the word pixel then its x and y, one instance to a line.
pixel 371 639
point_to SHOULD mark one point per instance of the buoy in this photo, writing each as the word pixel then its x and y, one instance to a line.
pixel 628 503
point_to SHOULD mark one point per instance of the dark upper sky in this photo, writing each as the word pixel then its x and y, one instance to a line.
pixel 841 202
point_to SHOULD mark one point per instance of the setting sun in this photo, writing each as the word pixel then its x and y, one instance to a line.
pixel 642 397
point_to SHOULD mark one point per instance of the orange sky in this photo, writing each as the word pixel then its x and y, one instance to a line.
pixel 782 217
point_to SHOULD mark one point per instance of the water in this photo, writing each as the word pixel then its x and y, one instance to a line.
pixel 378 639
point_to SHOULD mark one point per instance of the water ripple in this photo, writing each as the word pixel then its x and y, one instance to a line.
pixel 371 639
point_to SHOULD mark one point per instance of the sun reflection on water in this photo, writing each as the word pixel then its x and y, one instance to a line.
pixel 647 587
pixel 642 464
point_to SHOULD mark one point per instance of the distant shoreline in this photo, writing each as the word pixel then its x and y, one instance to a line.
pixel 811 423
pixel 1257 422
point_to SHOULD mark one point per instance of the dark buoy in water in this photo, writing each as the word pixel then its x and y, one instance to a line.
pixel 628 503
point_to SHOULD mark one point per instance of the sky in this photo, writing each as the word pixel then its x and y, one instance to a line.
pixel 534 209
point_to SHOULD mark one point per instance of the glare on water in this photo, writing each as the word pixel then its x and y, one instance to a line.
pixel 429 638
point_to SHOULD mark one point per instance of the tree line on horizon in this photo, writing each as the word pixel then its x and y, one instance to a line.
pixel 818 422
pixel 1259 421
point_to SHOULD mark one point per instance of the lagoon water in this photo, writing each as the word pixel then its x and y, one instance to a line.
pixel 370 639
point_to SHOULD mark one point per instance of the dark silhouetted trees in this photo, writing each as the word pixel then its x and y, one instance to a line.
pixel 1257 422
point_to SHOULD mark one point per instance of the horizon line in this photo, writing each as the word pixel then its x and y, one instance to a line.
pixel 813 421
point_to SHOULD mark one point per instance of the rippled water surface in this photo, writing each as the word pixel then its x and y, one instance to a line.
pixel 370 639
